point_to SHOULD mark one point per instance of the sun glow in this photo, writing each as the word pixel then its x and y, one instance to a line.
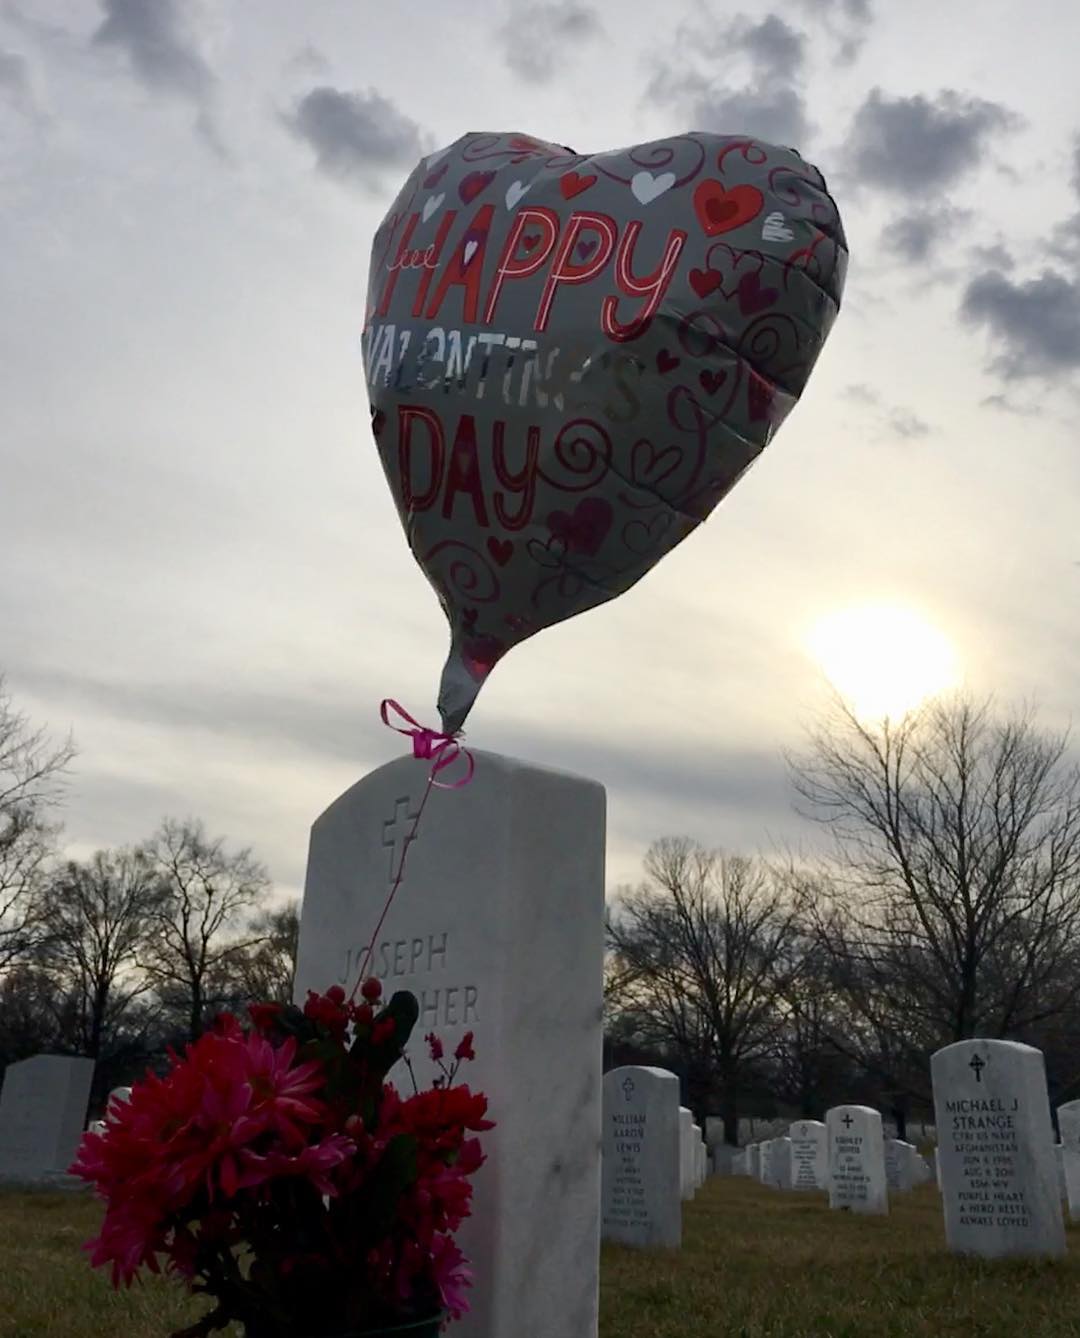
pixel 883 659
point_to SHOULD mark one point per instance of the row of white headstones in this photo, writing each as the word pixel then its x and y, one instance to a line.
pixel 498 929
pixel 1001 1175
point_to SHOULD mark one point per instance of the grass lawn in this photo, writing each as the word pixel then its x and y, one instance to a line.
pixel 754 1262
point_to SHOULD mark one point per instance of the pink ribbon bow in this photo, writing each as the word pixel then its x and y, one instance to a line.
pixel 431 745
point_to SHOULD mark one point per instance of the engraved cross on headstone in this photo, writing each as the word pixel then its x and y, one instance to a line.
pixel 628 1087
pixel 847 1121
pixel 977 1065
pixel 396 834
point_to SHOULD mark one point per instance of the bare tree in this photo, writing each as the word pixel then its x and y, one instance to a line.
pixel 702 951
pixel 100 917
pixel 264 971
pixel 31 771
pixel 207 890
pixel 953 905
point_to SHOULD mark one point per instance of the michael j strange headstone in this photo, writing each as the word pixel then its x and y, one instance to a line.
pixel 642 1172
pixel 498 929
pixel 999 1175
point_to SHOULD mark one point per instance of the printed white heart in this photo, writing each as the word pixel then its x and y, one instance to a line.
pixel 646 187
pixel 430 205
pixel 776 229
pixel 515 192
pixel 470 250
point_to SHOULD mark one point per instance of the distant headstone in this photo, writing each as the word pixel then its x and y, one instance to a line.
pixel 764 1160
pixel 502 903
pixel 119 1095
pixel 1068 1114
pixel 999 1175
pixel 753 1160
pixel 42 1113
pixel 686 1152
pixel 899 1165
pixel 856 1159
pixel 699 1157
pixel 809 1155
pixel 714 1131
pixel 780 1163
pixel 722 1159
pixel 641 1180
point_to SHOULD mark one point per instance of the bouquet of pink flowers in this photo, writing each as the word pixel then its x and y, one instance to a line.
pixel 275 1169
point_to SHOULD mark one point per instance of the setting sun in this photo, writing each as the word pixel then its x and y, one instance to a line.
pixel 884 659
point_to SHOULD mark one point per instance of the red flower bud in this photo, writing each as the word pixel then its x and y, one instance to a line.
pixel 435 1046
pixel 362 1014
pixel 371 990
pixel 263 1015
pixel 465 1047
pixel 336 995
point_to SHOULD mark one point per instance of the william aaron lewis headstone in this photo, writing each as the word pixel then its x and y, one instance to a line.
pixel 498 929
pixel 642 1171
pixel 999 1175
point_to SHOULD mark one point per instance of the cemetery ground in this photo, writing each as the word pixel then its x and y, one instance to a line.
pixel 755 1262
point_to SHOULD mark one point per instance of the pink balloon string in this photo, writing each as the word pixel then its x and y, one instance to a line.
pixel 441 750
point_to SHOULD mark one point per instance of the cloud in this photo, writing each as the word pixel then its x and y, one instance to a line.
pixel 847 20
pixel 15 81
pixel 861 394
pixel 776 115
pixel 155 37
pixel 915 237
pixel 162 49
pixel 1034 324
pixel 535 36
pixel 356 136
pixel 918 143
pixel 1007 405
pixel 908 425
pixel 769 107
pixel 776 50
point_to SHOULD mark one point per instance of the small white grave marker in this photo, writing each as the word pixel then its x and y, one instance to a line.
pixel 809 1155
pixel 856 1159
pixel 642 1202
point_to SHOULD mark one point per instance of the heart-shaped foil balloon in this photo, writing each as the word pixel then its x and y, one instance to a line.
pixel 571 360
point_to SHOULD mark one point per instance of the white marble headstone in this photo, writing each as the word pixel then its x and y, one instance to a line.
pixel 780 1163
pixel 498 929
pixel 809 1155
pixel 899 1165
pixel 686 1152
pixel 753 1160
pixel 642 1199
pixel 1068 1114
pixel 856 1159
pixel 999 1176
pixel 42 1113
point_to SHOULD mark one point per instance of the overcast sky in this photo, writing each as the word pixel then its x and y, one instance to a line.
pixel 204 575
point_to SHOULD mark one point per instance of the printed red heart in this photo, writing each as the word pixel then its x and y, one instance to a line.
pixel 705 281
pixel 586 529
pixel 530 241
pixel 752 297
pixel 500 549
pixel 469 616
pixel 651 467
pixel 481 654
pixel 433 178
pixel 473 185
pixel 525 144
pixel 666 361
pixel 573 183
pixel 712 381
pixel 719 210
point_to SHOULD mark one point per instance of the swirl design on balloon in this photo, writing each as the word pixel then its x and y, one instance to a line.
pixel 582 452
pixel 462 570
pixel 650 157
